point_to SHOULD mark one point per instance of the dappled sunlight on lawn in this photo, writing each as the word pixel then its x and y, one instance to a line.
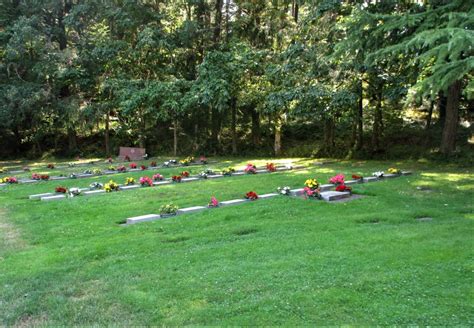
pixel 454 177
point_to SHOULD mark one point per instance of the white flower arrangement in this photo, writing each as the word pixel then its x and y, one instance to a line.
pixel 87 172
pixel 96 185
pixel 289 167
pixel 166 164
pixel 209 172
pixel 73 192
pixel 378 174
pixel 73 176
pixel 71 164
pixel 203 175
pixel 173 161
pixel 284 191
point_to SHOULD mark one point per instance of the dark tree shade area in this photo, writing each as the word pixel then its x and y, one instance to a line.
pixel 348 78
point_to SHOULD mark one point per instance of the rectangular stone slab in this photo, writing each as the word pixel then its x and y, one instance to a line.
pixel 406 173
pixel 56 197
pixel 370 179
pixel 130 187
pixel 238 173
pixel 59 178
pixel 334 195
pixel 267 195
pixel 189 179
pixel 158 183
pixel 389 176
pixel 85 175
pixel 29 181
pixel 94 192
pixel 261 171
pixel 143 218
pixel 326 187
pixel 351 182
pixel 215 176
pixel 297 192
pixel 191 209
pixel 233 202
pixel 38 196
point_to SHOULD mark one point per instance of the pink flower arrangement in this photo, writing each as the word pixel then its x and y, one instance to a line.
pixel 10 180
pixel 121 168
pixel 203 159
pixel 337 179
pixel 214 202
pixel 311 192
pixel 250 169
pixel 157 177
pixel 35 176
pixel 133 165
pixel 146 182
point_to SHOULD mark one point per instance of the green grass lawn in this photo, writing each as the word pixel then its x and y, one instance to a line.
pixel 281 261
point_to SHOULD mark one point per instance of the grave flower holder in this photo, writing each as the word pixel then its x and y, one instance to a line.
pixel 168 210
pixel 251 195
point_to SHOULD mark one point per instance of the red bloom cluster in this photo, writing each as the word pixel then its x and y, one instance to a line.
pixel 62 190
pixel 44 177
pixel 271 167
pixel 133 165
pixel 143 167
pixel 121 168
pixel 251 195
pixel 343 187
pixel 185 174
pixel 176 178
pixel 153 164
pixel 50 166
pixel 36 176
pixel 356 177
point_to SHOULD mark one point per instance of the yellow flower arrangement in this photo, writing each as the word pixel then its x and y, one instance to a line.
pixel 111 186
pixel 2 170
pixel 129 181
pixel 311 183
pixel 393 170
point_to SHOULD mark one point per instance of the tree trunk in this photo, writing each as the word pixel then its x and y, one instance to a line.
pixel 278 125
pixel 377 128
pixel 441 108
pixel 360 119
pixel 234 127
pixel 448 142
pixel 217 21
pixel 71 134
pixel 430 115
pixel 196 137
pixel 175 138
pixel 255 127
pixel 107 136
pixel 215 130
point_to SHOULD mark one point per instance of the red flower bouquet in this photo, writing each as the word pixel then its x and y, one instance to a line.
pixel 143 167
pixel 213 203
pixel 271 167
pixel 35 176
pixel 356 177
pixel 121 168
pixel 185 174
pixel 153 164
pixel 44 177
pixel 176 178
pixel 133 165
pixel 50 166
pixel 337 179
pixel 61 190
pixel 343 187
pixel 251 195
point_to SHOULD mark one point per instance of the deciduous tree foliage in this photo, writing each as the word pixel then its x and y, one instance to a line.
pixel 288 77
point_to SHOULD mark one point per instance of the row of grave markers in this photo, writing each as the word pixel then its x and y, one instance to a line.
pixel 89 192
pixel 326 194
pixel 105 173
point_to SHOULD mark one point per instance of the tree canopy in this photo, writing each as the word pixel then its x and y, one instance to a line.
pixel 287 77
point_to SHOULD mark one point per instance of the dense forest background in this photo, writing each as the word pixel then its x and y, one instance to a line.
pixel 354 78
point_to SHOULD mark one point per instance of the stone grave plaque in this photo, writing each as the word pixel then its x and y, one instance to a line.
pixel 132 152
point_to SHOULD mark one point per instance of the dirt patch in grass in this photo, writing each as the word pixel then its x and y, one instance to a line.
pixel 10 236
pixel 31 321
